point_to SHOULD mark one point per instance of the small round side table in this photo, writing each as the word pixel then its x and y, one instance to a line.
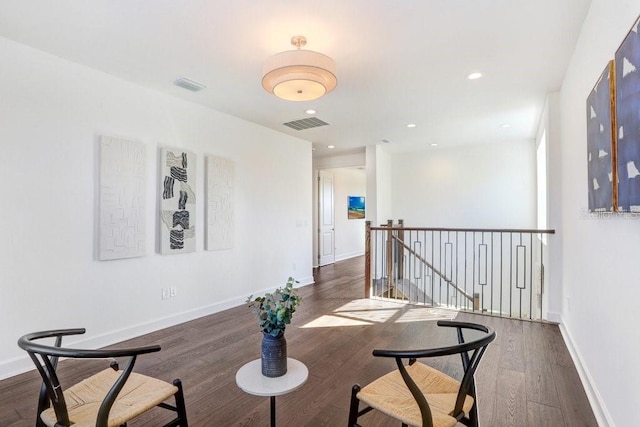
pixel 250 380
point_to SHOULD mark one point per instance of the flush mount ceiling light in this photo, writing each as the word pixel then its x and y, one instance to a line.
pixel 299 75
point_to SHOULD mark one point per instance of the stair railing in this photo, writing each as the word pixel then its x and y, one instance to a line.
pixel 492 271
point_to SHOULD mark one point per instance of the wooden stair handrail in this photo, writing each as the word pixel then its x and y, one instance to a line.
pixel 473 230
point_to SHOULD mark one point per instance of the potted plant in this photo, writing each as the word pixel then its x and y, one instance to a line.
pixel 274 312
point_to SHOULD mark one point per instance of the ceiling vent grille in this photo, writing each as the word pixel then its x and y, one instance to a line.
pixel 311 122
pixel 189 84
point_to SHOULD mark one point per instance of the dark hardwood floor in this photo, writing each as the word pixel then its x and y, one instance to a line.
pixel 526 378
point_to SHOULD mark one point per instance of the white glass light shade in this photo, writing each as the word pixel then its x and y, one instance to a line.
pixel 299 75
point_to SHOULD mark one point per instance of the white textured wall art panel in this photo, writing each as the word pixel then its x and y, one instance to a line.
pixel 122 198
pixel 219 203
pixel 178 201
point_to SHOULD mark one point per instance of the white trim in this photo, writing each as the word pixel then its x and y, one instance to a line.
pixel 23 364
pixel 348 256
pixel 597 403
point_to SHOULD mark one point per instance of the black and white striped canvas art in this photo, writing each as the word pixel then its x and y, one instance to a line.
pixel 178 203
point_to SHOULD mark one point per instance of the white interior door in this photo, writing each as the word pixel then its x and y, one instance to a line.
pixel 326 229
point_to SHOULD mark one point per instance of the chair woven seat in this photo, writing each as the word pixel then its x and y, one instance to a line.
pixel 140 393
pixel 108 398
pixel 389 394
pixel 419 395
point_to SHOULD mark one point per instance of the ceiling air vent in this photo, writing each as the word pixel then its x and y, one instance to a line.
pixel 189 84
pixel 311 122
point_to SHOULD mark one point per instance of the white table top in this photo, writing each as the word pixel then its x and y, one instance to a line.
pixel 250 379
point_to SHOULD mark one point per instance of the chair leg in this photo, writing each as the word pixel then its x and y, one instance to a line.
pixel 43 403
pixel 473 415
pixel 353 408
pixel 180 406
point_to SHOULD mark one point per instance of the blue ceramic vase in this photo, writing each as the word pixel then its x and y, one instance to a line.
pixel 274 355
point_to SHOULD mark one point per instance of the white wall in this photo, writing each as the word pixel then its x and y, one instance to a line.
pixel 345 160
pixel 349 232
pixel 551 126
pixel 600 255
pixel 483 186
pixel 51 114
pixel 378 170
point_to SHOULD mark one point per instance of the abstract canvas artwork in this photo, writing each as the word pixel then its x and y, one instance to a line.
pixel 178 201
pixel 627 105
pixel 601 153
pixel 219 213
pixel 122 199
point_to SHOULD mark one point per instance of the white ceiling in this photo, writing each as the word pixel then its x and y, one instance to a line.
pixel 398 62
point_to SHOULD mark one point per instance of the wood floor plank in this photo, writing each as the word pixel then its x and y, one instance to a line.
pixel 572 397
pixel 512 346
pixel 334 332
pixel 511 402
pixel 540 384
pixel 555 345
pixel 543 415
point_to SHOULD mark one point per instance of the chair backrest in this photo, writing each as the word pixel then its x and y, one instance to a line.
pixel 471 353
pixel 45 358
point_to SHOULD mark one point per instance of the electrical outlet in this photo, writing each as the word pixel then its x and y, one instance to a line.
pixel 165 293
pixel 172 291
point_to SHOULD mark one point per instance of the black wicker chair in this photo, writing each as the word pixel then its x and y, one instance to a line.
pixel 108 398
pixel 419 395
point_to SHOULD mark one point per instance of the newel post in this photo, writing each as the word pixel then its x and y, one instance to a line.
pixel 389 255
pixel 367 260
pixel 400 251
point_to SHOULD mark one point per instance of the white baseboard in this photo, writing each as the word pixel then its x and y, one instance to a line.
pixel 342 257
pixel 306 281
pixel 20 365
pixel 597 404
pixel 23 364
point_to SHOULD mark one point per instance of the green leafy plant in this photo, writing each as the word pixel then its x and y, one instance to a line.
pixel 275 310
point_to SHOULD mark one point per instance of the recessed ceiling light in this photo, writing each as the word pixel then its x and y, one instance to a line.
pixel 434 144
pixel 474 76
pixel 505 125
pixel 310 111
pixel 411 125
pixel 331 146
pixel 386 141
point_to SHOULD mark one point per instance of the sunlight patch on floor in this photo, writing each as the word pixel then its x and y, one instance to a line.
pixel 362 312
pixel 328 321
pixel 423 314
